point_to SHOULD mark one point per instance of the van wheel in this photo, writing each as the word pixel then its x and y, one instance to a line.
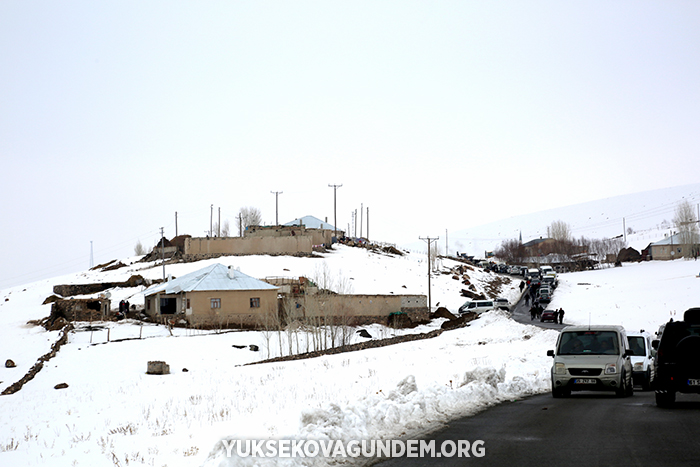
pixel 622 391
pixel 630 388
pixel 646 382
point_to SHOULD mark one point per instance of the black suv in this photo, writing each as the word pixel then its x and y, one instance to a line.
pixel 677 361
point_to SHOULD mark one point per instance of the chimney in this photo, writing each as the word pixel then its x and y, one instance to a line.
pixel 231 272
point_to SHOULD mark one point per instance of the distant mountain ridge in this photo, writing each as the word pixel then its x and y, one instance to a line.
pixel 648 214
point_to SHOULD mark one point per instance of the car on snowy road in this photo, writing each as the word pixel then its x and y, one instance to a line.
pixel 548 315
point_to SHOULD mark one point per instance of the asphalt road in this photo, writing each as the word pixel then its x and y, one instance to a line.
pixel 588 428
pixel 521 314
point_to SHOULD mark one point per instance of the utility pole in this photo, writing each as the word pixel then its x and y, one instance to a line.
pixel 277 194
pixel 350 232
pixel 355 224
pixel 162 251
pixel 447 252
pixel 92 259
pixel 211 221
pixel 361 210
pixel 335 216
pixel 176 223
pixel 429 240
pixel 218 234
pixel 367 223
pixel 624 229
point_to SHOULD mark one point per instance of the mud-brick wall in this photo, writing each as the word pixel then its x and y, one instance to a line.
pixel 80 310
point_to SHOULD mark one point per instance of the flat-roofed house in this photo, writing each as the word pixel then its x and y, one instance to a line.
pixel 217 295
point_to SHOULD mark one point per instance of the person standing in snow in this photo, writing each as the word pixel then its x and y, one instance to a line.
pixel 561 316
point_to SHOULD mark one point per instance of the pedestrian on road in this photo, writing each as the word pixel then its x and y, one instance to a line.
pixel 561 316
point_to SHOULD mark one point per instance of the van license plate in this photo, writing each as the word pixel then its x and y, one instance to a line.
pixel 694 382
pixel 585 381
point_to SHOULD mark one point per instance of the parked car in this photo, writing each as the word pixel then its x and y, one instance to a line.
pixel 642 358
pixel 544 270
pixel 479 306
pixel 463 308
pixel 533 273
pixel 592 358
pixel 550 280
pixel 544 297
pixel 677 362
pixel 548 315
pixel 502 304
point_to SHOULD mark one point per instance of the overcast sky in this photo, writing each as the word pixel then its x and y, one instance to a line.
pixel 435 115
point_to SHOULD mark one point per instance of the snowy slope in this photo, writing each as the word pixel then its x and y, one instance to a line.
pixel 648 214
pixel 113 413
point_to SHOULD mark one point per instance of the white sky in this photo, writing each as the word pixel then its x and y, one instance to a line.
pixel 435 115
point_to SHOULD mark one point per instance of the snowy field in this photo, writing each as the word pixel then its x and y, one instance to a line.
pixel 112 413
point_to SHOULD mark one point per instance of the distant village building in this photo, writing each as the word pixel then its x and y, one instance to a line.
pixel 312 222
pixel 672 247
pixel 302 236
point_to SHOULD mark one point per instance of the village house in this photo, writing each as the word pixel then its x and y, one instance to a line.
pixel 217 295
pixel 672 247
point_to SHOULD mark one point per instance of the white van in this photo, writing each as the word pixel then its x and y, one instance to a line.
pixel 544 270
pixel 642 358
pixel 592 358
pixel 479 306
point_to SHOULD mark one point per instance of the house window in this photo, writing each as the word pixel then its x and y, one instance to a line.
pixel 255 303
pixel 188 303
pixel 216 303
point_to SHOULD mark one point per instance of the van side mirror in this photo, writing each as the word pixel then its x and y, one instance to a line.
pixel 655 344
pixel 550 353
pixel 629 353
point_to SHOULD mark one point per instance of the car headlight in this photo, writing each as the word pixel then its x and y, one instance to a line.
pixel 639 366
pixel 559 369
pixel 610 369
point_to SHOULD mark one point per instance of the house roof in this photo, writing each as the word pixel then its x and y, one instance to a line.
pixel 214 277
pixel 672 240
pixel 312 222
pixel 535 242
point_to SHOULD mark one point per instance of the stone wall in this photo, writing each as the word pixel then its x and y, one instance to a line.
pixel 70 290
pixel 80 309
pixel 248 245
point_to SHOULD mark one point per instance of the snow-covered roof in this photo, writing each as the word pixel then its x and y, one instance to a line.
pixel 214 277
pixel 672 240
pixel 312 222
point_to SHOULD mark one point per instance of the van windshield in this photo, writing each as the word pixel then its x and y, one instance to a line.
pixel 637 346
pixel 588 343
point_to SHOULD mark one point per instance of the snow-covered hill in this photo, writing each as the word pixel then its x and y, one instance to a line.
pixel 642 218
pixel 112 413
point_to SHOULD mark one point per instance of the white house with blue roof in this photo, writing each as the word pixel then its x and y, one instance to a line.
pixel 216 295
